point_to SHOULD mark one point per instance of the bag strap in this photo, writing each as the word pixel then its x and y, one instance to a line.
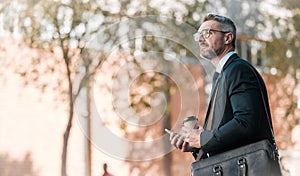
pixel 266 110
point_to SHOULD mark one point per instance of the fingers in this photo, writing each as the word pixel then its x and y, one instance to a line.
pixel 191 142
pixel 186 141
pixel 177 140
pixel 193 139
pixel 174 138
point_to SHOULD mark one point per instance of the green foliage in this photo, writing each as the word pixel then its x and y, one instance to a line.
pixel 283 50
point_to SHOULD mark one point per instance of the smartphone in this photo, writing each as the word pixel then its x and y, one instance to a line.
pixel 168 131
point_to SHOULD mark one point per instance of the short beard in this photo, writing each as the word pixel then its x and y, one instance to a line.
pixel 208 54
pixel 211 54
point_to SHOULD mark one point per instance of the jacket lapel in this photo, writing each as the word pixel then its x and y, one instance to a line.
pixel 220 104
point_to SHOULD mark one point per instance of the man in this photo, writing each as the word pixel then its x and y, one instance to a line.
pixel 237 114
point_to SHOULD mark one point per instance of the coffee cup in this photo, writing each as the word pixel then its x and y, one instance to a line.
pixel 191 122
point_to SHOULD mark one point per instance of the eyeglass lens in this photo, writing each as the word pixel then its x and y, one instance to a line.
pixel 204 34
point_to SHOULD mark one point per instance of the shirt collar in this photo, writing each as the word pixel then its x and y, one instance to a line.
pixel 223 61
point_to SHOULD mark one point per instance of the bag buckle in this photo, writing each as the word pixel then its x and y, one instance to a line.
pixel 241 161
pixel 217 170
pixel 242 166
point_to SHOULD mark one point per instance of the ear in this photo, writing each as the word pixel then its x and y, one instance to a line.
pixel 228 38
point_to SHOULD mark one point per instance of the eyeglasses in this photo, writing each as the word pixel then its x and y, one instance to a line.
pixel 206 33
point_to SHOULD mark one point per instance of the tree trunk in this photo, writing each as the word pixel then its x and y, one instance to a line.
pixel 65 142
pixel 167 158
pixel 71 112
pixel 166 121
pixel 88 137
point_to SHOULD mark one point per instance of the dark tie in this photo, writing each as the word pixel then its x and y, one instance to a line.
pixel 211 109
pixel 212 101
pixel 216 74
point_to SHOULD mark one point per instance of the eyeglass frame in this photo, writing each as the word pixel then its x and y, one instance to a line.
pixel 205 33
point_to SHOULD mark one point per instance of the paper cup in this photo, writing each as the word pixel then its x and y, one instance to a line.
pixel 191 122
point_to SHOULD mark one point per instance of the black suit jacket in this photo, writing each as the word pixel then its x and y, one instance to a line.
pixel 239 115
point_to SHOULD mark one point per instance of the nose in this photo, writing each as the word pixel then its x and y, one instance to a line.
pixel 197 37
pixel 201 39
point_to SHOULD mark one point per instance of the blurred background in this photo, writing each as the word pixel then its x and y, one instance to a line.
pixel 89 82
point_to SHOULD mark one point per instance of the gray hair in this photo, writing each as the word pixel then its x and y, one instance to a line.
pixel 226 24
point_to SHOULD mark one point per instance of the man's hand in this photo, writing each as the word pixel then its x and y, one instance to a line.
pixel 192 136
pixel 178 141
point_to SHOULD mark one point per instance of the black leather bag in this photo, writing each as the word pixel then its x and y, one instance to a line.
pixel 256 159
